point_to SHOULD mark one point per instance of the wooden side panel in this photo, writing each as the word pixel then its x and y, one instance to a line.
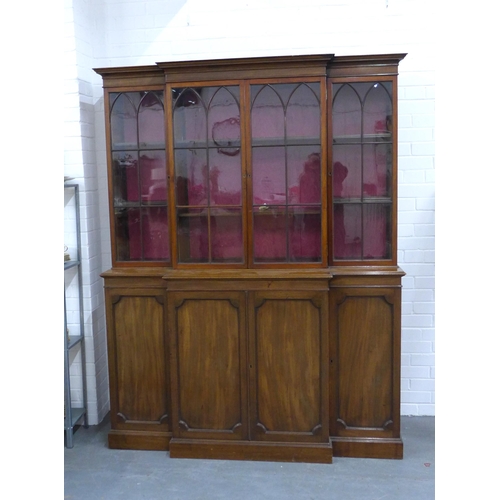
pixel 365 362
pixel 288 377
pixel 365 350
pixel 137 354
pixel 209 375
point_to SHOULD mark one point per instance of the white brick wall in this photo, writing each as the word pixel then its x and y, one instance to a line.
pixel 134 32
pixel 80 163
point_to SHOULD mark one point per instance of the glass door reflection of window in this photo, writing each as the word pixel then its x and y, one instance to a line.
pixel 362 170
pixel 139 176
pixel 208 174
pixel 286 172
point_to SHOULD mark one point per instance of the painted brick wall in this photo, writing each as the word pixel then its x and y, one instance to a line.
pixel 135 32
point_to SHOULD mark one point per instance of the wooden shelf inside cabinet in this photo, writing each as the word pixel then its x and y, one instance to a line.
pixel 384 137
pixel 365 199
pixel 289 141
pixel 73 415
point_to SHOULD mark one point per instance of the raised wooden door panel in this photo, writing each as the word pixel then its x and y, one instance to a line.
pixel 138 359
pixel 365 364
pixel 209 365
pixel 288 366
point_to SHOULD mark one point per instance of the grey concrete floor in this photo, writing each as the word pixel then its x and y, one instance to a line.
pixel 94 472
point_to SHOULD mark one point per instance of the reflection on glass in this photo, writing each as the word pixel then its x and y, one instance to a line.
pixel 304 176
pixel 269 175
pixel 224 120
pixel 142 234
pixel 347 231
pixel 303 112
pixel 224 179
pixel 377 110
pixel 376 233
pixel 127 234
pixel 285 112
pixel 124 120
pixel 268 117
pixel 190 118
pixel 304 233
pixel 226 231
pixel 125 177
pixel 151 123
pixel 191 177
pixel 362 109
pixel 270 240
pixel 347 112
pixel 376 170
pixel 155 239
pixel 347 171
pixel 153 176
pixel 362 231
pixel 192 235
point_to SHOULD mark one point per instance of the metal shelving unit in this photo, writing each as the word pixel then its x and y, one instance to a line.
pixel 74 415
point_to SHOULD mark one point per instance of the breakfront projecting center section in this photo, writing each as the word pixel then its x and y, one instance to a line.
pixel 254 303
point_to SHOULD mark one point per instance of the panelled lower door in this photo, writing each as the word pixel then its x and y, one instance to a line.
pixel 288 366
pixel 139 383
pixel 208 342
pixel 365 350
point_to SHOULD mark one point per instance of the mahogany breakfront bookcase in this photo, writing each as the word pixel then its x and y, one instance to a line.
pixel 254 303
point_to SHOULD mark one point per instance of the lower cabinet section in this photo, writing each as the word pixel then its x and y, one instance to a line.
pixel 256 366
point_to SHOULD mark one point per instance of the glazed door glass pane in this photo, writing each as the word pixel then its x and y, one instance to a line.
pixel 303 175
pixel 270 233
pixel 124 113
pixel 192 235
pixel 141 233
pixel 191 177
pixel 304 233
pixel 286 172
pixel 208 178
pixel 362 170
pixel 376 231
pixel 269 175
pixel 226 234
pixel 139 173
pixel 362 231
pixel 347 181
pixel 151 122
pixel 347 230
pixel 377 170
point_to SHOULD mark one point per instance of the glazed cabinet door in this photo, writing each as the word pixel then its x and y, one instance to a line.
pixel 209 189
pixel 365 371
pixel 363 177
pixel 208 344
pixel 288 366
pixel 287 183
pixel 137 346
pixel 138 176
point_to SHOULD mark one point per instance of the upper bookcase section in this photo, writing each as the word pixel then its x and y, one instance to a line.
pixel 265 162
